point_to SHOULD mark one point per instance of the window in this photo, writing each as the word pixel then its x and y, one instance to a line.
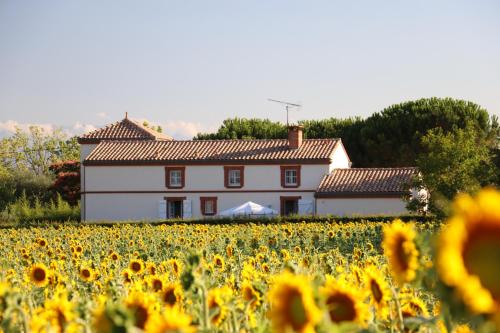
pixel 290 176
pixel 208 205
pixel 233 176
pixel 174 177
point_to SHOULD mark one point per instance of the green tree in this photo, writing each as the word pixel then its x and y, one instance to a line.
pixel 453 162
pixel 241 128
pixel 393 137
pixel 390 138
pixel 35 150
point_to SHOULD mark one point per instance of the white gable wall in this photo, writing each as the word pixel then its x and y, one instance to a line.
pixel 340 159
pixel 85 150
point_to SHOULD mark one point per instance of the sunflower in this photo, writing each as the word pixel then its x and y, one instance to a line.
pixel 466 248
pixel 172 320
pixel 413 307
pixel 114 256
pixel 127 275
pixel 176 266
pixel 401 250
pixel 171 294
pixel 285 255
pixel 217 304
pixel 41 242
pixel 39 275
pixel 141 305
pixel 344 302
pixel 378 289
pixel 87 274
pixel 151 268
pixel 229 251
pixel 464 328
pixel 136 266
pixel 292 304
pixel 219 262
pixel 156 282
pixel 250 295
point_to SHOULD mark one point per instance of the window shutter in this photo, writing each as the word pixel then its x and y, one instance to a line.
pixel 186 209
pixel 162 209
pixel 306 207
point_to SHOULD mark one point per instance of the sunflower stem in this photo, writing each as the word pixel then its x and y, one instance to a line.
pixel 398 309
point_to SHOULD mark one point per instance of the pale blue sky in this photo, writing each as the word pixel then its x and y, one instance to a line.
pixel 190 64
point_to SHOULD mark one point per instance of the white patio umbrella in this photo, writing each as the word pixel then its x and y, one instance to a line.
pixel 249 208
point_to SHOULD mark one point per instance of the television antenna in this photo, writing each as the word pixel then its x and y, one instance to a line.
pixel 288 105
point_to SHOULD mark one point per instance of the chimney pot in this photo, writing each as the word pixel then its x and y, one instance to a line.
pixel 295 136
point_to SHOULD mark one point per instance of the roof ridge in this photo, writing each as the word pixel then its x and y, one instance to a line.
pixel 377 168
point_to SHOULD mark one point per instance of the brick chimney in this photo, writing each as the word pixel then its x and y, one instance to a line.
pixel 295 136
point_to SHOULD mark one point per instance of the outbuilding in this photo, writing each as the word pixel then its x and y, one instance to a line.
pixel 364 191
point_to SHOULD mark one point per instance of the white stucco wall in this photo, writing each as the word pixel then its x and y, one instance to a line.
pixel 139 206
pixel 360 206
pixel 133 206
pixel 197 178
pixel 340 159
pixel 85 150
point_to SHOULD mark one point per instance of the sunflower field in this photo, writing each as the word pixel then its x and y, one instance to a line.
pixel 441 276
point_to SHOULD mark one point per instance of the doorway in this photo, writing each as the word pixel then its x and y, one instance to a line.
pixel 174 208
pixel 289 205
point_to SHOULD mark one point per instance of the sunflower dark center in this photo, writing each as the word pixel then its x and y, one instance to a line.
pixel 140 315
pixel 296 310
pixel 135 266
pixel 157 285
pixel 39 274
pixel 169 297
pixel 401 254
pixel 341 308
pixel 85 273
pixel 481 257
pixel 376 291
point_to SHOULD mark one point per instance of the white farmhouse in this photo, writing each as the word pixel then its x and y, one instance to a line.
pixel 130 172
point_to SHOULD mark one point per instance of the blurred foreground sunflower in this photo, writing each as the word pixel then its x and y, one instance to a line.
pixel 292 304
pixel 171 320
pixel 344 302
pixel 378 289
pixel 401 250
pixel 468 257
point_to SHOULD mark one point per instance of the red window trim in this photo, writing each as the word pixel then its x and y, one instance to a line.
pixel 182 169
pixel 202 205
pixel 174 198
pixel 282 202
pixel 289 167
pixel 226 176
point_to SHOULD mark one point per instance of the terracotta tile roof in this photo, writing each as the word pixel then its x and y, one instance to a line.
pixel 126 129
pixel 365 181
pixel 215 151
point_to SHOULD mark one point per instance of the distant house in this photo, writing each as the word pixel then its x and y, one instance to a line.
pixel 131 172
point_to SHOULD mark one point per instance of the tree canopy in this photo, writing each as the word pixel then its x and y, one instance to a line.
pixel 389 138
